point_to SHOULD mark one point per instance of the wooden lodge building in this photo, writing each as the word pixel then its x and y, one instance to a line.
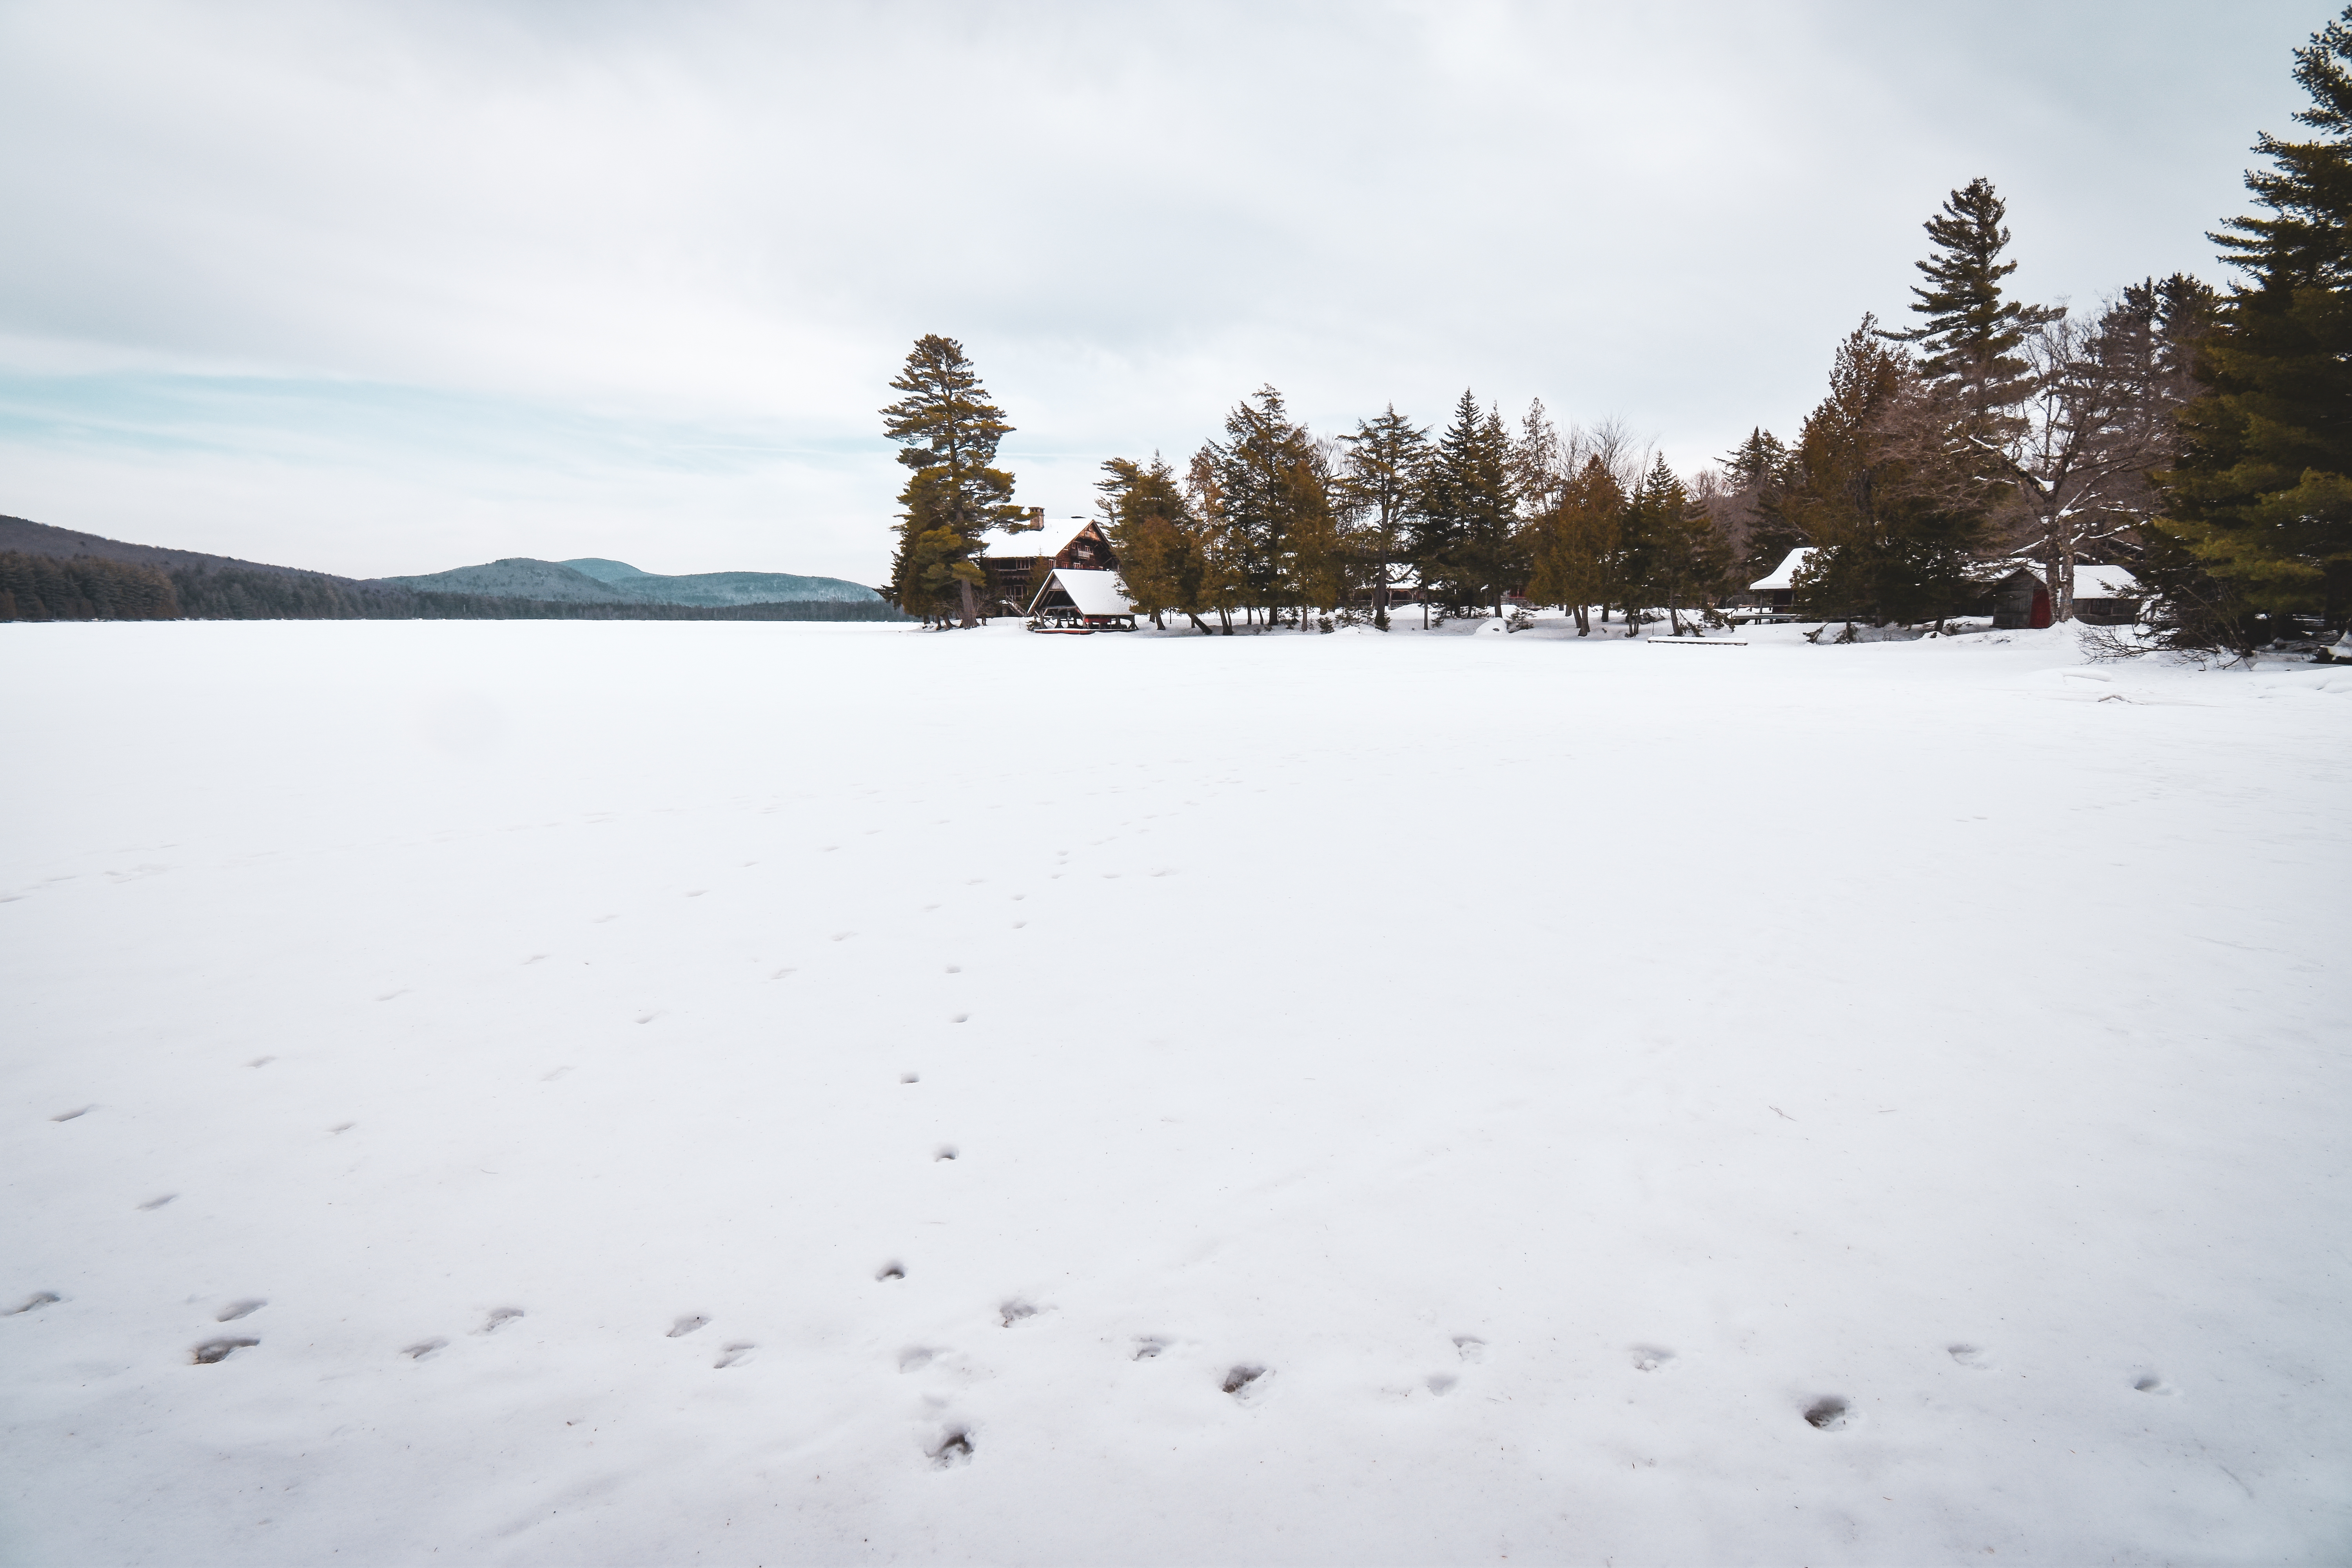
pixel 1017 576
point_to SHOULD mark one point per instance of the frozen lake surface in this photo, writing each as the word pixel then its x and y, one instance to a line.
pixel 621 1093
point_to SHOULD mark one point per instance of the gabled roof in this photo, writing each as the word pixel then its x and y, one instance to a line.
pixel 1094 592
pixel 1051 539
pixel 1784 575
pixel 2104 582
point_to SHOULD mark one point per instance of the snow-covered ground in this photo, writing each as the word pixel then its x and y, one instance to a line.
pixel 634 1093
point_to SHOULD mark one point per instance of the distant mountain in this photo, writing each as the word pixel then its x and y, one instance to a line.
pixel 592 579
pixel 57 573
pixel 719 587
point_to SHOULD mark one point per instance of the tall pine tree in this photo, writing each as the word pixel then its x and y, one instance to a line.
pixel 948 432
pixel 1467 543
pixel 1972 331
pixel 1380 484
pixel 2261 497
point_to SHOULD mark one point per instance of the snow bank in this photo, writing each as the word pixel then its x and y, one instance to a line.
pixel 582 1093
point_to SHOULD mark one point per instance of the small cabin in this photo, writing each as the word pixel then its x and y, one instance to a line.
pixel 1077 601
pixel 2103 596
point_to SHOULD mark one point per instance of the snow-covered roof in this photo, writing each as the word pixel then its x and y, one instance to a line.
pixel 2104 582
pixel 1784 575
pixel 1094 592
pixel 1050 539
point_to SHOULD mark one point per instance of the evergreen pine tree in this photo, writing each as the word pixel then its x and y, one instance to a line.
pixel 1157 539
pixel 948 432
pixel 1270 479
pixel 2262 496
pixel 1575 544
pixel 1380 481
pixel 1759 471
pixel 1972 332
pixel 1465 542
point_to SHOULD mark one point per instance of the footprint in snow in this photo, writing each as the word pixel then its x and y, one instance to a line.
pixel 1649 1358
pixel 75 1114
pixel 343 1127
pixel 212 1351
pixel 1441 1383
pixel 891 1271
pixel 421 1349
pixel 35 1302
pixel 735 1354
pixel 1244 1381
pixel 158 1203
pixel 687 1325
pixel 260 1062
pixel 1148 1347
pixel 944 1152
pixel 2149 1382
pixel 1470 1347
pixel 236 1310
pixel 1969 1356
pixel 1013 1311
pixel 953 1448
pixel 1828 1413
pixel 913 1358
pixel 499 1318
pixel 910 1077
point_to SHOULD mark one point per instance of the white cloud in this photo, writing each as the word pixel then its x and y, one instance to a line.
pixel 557 248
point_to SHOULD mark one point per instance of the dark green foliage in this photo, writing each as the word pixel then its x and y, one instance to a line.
pixel 2261 495
pixel 1465 538
pixel 1972 332
pixel 1871 483
pixel 82 588
pixel 947 432
pixel 1380 486
pixel 1670 553
pixel 1758 471
pixel 1273 494
pixel 1162 558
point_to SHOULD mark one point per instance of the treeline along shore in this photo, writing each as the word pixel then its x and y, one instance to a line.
pixel 68 576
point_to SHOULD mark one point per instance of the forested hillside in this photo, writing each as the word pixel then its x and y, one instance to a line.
pixel 57 574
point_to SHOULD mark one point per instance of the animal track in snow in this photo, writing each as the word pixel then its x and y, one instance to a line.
pixel 843 935
pixel 913 1358
pixel 946 1152
pixel 1013 1311
pixel 687 1325
pixel 1441 1383
pixel 1240 1381
pixel 959 1017
pixel 535 958
pixel 236 1310
pixel 1649 1358
pixel 75 1112
pixel 2149 1382
pixel 499 1318
pixel 421 1349
pixel 955 969
pixel 1147 1348
pixel 892 1270
pixel 213 1351
pixel 35 1302
pixel 1828 1413
pixel 735 1354
pixel 158 1203
pixel 260 1062
pixel 954 1448
pixel 780 973
pixel 1969 1356
pixel 697 893
pixel 343 1127
pixel 647 1017
pixel 910 1077
pixel 1470 1347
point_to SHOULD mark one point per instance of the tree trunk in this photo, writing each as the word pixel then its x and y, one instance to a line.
pixel 971 618
pixel 1207 629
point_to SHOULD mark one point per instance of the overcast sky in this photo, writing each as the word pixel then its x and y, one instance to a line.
pixel 394 288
